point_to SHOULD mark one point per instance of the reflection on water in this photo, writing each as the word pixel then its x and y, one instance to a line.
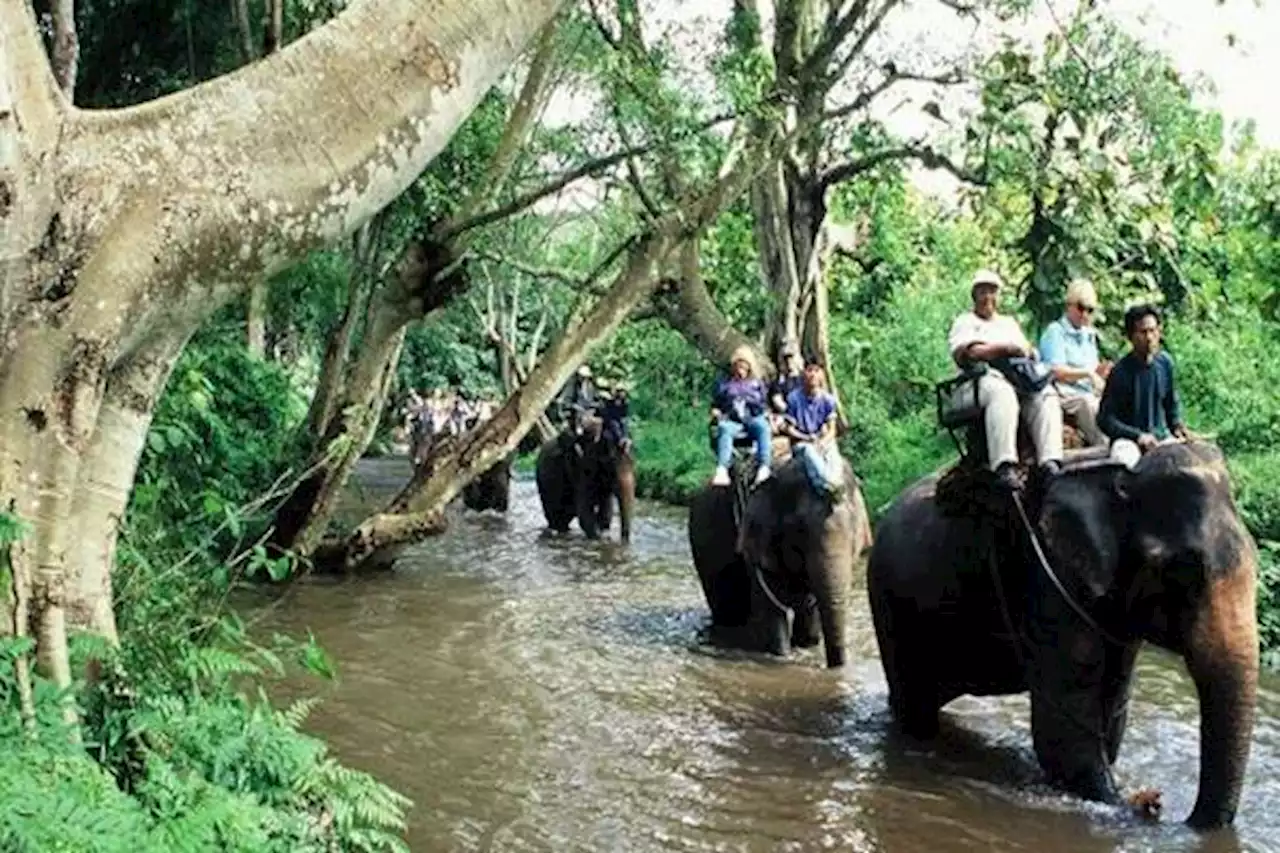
pixel 543 694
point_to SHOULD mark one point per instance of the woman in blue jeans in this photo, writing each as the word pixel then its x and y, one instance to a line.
pixel 738 408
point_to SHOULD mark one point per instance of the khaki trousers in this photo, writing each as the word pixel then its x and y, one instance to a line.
pixel 1001 409
pixel 1082 409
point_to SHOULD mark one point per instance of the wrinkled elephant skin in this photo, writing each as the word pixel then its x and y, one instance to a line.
pixel 1156 554
pixel 791 583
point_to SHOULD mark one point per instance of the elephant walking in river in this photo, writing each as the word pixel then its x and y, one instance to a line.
pixel 491 490
pixel 786 577
pixel 582 478
pixel 963 604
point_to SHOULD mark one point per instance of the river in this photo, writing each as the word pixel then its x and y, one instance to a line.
pixel 540 694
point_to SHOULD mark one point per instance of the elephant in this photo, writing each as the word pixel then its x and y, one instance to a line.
pixel 972 604
pixel 581 478
pixel 785 579
pixel 491 490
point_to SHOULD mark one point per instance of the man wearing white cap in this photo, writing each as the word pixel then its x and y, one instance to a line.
pixel 983 335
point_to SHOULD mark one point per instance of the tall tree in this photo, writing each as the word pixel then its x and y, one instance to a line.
pixel 1096 158
pixel 427 276
pixel 815 50
pixel 121 230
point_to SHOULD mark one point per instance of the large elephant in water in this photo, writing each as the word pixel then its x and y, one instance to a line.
pixel 491 490
pixel 964 604
pixel 581 479
pixel 788 572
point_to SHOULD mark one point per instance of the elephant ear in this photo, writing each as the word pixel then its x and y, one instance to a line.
pixel 1080 524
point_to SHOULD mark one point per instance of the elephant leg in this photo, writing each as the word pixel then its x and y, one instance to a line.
pixel 626 493
pixel 604 510
pixel 1070 739
pixel 908 666
pixel 1116 688
pixel 774 620
pixel 586 512
pixel 1115 732
pixel 807 632
pixel 1079 683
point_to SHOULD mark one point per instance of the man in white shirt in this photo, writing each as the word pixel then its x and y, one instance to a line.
pixel 983 335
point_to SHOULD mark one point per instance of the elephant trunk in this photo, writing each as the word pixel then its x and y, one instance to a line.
pixel 1222 659
pixel 831 576
pixel 626 495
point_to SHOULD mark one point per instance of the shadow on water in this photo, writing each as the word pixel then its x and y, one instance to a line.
pixel 540 693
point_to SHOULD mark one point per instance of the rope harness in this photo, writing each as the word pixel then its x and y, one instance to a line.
pixel 1020 639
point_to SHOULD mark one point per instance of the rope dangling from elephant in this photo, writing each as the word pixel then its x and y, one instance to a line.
pixel 1043 562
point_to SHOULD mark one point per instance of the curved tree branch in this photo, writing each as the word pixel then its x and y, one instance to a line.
pixel 927 157
pixel 586 170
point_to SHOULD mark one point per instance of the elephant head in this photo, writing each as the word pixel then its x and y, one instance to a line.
pixel 599 471
pixel 1157 553
pixel 800 543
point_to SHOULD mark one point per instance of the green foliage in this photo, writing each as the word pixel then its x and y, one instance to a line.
pixel 1096 158
pixel 177 749
pixel 224 430
pixel 207 770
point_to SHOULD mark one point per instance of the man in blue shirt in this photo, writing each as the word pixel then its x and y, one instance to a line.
pixel 1140 407
pixel 738 408
pixel 811 426
pixel 1069 346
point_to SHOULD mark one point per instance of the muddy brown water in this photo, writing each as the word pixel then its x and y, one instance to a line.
pixel 541 694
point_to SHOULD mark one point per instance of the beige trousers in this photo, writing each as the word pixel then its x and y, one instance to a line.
pixel 1001 409
pixel 1082 409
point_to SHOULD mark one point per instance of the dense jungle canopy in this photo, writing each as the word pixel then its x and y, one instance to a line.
pixel 260 224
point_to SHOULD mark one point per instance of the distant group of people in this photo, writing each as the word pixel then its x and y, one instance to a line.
pixel 1130 406
pixel 440 413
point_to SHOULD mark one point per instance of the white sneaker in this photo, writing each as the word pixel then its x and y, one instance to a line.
pixel 762 474
pixel 721 477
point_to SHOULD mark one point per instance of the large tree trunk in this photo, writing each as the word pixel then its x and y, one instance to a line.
pixel 302 518
pixel 108 466
pixel 163 212
pixel 687 306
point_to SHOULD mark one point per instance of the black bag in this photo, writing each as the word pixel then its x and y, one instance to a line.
pixel 1026 375
pixel 957 397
